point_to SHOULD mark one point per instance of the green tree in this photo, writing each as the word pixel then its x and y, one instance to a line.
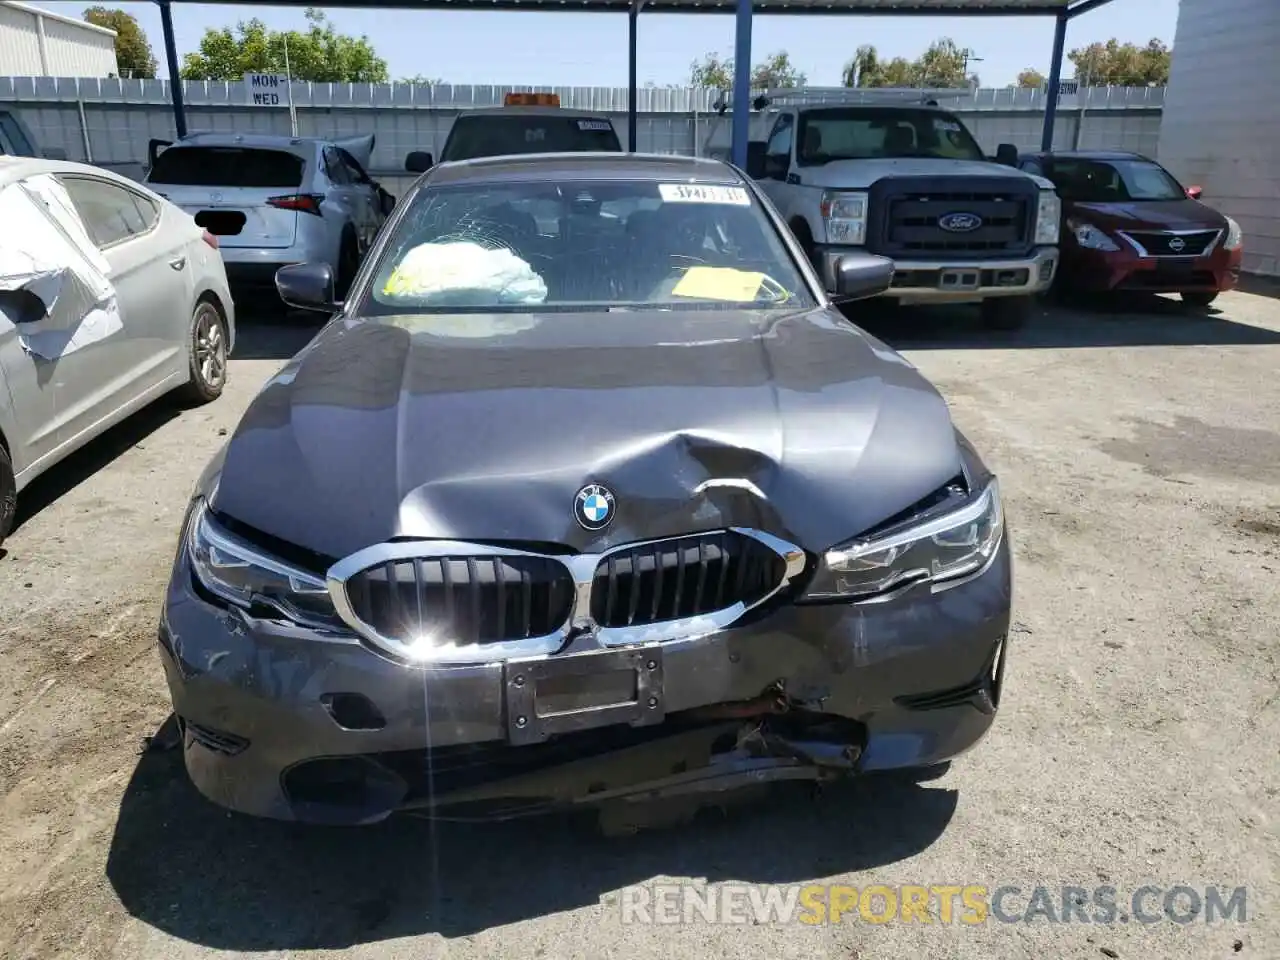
pixel 133 51
pixel 1031 78
pixel 944 64
pixel 776 70
pixel 321 54
pixel 1122 64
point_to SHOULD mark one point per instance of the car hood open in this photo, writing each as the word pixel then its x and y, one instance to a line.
pixel 485 427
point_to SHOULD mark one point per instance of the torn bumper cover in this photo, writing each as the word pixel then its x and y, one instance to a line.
pixel 284 722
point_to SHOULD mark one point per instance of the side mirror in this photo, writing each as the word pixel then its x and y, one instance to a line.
pixel 1007 154
pixel 775 166
pixel 307 286
pixel 419 161
pixel 860 276
pixel 1195 193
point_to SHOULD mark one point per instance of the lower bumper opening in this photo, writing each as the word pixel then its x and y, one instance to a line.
pixel 686 756
pixel 982 692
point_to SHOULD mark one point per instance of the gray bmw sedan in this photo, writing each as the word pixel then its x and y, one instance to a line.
pixel 587 494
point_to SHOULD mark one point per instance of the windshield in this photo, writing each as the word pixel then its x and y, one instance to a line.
pixel 863 133
pixel 227 167
pixel 498 136
pixel 1113 181
pixel 583 244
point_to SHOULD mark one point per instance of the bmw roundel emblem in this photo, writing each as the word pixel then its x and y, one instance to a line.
pixel 593 507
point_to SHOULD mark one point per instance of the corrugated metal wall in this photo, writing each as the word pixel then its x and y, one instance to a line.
pixel 120 116
pixel 70 49
pixel 1222 119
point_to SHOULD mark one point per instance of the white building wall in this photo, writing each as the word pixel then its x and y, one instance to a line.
pixel 1221 122
pixel 39 43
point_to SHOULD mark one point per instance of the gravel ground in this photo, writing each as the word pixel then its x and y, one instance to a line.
pixel 1140 453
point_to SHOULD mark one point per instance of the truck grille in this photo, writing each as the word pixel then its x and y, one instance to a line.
pixel 684 577
pixel 1160 243
pixel 906 215
pixel 469 600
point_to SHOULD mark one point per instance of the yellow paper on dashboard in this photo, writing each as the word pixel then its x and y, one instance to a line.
pixel 719 283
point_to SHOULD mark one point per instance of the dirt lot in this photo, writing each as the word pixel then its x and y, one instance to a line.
pixel 1137 743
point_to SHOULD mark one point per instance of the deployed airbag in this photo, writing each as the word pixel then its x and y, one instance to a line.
pixel 45 253
pixel 463 274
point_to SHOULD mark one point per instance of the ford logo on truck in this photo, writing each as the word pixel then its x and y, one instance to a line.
pixel 959 222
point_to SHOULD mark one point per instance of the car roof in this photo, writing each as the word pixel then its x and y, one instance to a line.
pixel 532 111
pixel 1088 155
pixel 603 165
pixel 217 139
pixel 19 168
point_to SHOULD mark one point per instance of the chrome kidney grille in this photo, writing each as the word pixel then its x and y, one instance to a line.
pixel 685 577
pixel 437 601
pixel 486 599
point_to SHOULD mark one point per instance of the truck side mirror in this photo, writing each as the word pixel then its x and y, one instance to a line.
pixel 419 161
pixel 1007 154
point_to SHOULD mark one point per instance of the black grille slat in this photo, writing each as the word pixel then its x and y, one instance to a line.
pixel 464 600
pixel 683 577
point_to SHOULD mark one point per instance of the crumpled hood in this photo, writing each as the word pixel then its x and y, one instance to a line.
pixel 485 427
pixel 858 174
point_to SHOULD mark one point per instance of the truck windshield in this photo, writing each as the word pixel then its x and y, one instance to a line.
pixel 866 133
pixel 502 135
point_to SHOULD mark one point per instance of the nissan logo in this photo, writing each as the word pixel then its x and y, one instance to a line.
pixel 959 222
pixel 1177 244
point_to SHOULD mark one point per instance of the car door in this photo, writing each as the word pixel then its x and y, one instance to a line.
pixel 342 197
pixel 367 200
pixel 777 161
pixel 147 266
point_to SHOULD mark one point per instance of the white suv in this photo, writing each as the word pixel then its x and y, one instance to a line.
pixel 273 200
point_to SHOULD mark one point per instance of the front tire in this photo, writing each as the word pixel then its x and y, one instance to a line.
pixel 208 355
pixel 8 494
pixel 1007 313
pixel 1199 298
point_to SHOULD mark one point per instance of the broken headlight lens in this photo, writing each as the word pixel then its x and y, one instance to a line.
pixel 243 575
pixel 952 545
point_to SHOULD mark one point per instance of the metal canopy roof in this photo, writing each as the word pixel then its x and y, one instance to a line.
pixel 825 7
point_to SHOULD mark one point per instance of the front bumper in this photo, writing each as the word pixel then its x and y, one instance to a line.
pixel 1098 271
pixel 278 722
pixel 959 281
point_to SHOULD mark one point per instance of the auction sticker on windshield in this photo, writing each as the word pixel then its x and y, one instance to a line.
pixel 594 125
pixel 703 193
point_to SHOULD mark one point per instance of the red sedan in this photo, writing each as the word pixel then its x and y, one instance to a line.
pixel 1129 225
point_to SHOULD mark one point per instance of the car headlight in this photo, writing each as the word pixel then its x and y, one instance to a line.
pixel 952 545
pixel 1048 217
pixel 1235 238
pixel 1090 237
pixel 845 217
pixel 243 575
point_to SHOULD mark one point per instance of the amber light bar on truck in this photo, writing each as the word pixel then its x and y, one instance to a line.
pixel 531 100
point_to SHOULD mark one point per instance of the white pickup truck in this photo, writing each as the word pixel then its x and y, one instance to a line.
pixel 906 180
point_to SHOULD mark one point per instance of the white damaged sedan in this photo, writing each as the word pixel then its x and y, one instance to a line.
pixel 110 297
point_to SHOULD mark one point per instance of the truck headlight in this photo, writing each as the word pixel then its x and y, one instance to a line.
pixel 241 574
pixel 1235 238
pixel 845 217
pixel 952 545
pixel 1048 217
pixel 1090 237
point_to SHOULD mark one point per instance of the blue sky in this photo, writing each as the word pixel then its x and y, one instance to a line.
pixel 573 49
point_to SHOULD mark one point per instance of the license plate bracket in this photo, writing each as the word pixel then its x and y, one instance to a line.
pixel 583 691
